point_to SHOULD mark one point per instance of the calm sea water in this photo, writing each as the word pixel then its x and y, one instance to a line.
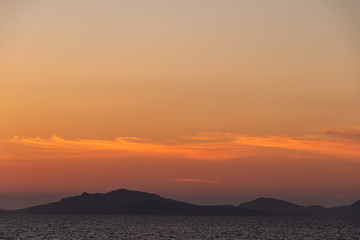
pixel 176 227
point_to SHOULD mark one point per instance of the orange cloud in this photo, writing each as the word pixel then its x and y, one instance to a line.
pixel 205 146
pixel 125 146
pixel 344 149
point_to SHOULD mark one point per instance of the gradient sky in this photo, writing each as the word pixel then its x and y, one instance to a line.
pixel 207 101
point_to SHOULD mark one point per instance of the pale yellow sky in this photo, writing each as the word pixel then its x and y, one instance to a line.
pixel 167 68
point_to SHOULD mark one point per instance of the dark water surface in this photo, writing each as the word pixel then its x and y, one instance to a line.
pixel 176 227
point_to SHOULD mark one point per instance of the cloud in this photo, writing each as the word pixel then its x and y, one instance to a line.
pixel 126 146
pixel 204 146
pixel 196 180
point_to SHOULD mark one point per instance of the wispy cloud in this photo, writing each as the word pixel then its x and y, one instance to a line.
pixel 196 180
pixel 125 146
pixel 205 146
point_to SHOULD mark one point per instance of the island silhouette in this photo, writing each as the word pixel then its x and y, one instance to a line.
pixel 129 202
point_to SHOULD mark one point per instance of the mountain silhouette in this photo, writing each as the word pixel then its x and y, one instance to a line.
pixel 129 202
pixel 279 207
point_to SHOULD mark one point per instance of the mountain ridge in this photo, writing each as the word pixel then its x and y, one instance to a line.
pixel 280 207
pixel 131 202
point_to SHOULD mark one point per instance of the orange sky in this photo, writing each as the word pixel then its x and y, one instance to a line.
pixel 204 101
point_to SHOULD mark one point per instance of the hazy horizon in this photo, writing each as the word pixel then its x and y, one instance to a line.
pixel 207 101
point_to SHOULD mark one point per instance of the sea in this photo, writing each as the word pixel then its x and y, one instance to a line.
pixel 176 227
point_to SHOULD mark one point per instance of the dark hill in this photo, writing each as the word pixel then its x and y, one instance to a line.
pixel 280 207
pixel 128 202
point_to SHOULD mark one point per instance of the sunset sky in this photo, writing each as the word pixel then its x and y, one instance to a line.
pixel 205 101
